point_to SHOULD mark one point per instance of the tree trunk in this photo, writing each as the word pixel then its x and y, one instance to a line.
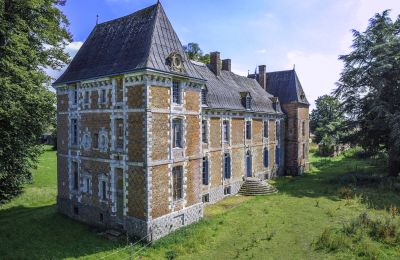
pixel 394 163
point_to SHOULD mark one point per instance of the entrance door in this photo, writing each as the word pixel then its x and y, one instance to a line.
pixel 248 164
pixel 119 183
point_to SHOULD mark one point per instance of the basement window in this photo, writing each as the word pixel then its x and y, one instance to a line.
pixel 227 190
pixel 206 198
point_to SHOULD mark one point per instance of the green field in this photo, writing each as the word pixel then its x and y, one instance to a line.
pixel 308 219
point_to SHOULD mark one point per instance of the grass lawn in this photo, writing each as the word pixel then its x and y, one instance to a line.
pixel 286 225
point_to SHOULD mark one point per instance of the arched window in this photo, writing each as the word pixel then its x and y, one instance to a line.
pixel 177 133
pixel 266 157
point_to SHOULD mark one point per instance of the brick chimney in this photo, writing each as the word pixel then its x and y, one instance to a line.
pixel 215 62
pixel 262 77
pixel 226 64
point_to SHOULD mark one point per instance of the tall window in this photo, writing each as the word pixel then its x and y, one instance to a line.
pixel 266 157
pixel 95 140
pixel 74 95
pixel 177 175
pixel 86 97
pixel 277 131
pixel 248 129
pixel 303 128
pixel 119 91
pixel 103 190
pixel 204 131
pixel 177 132
pixel 304 151
pixel 74 131
pixel 176 92
pixel 75 176
pixel 204 96
pixel 225 131
pixel 119 133
pixel 277 154
pixel 266 129
pixel 205 171
pixel 103 96
pixel 227 166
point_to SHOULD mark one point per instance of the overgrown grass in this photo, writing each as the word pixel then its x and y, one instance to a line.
pixel 310 218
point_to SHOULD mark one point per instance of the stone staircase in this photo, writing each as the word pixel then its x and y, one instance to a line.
pixel 256 187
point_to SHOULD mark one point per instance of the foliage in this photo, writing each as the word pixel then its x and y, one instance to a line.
pixel 33 35
pixel 326 121
pixel 195 53
pixel 369 87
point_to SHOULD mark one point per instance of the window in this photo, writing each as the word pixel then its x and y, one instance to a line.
pixel 227 166
pixel 176 92
pixel 75 176
pixel 177 132
pixel 87 183
pixel 277 155
pixel 248 101
pixel 248 129
pixel 204 96
pixel 76 210
pixel 304 151
pixel 103 189
pixel 95 140
pixel 74 95
pixel 227 190
pixel 119 133
pixel 266 129
pixel 303 128
pixel 277 131
pixel 119 91
pixel 205 171
pixel 103 96
pixel 204 131
pixel 74 131
pixel 266 157
pixel 206 198
pixel 177 175
pixel 86 97
pixel 225 131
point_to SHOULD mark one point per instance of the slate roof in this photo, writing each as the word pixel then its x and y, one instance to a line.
pixel 140 40
pixel 224 91
pixel 285 85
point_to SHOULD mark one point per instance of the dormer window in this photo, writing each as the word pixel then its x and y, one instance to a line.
pixel 248 101
pixel 204 96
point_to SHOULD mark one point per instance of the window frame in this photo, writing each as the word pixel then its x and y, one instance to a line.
pixel 204 96
pixel 266 129
pixel 177 183
pixel 103 96
pixel 74 131
pixel 227 166
pixel 248 129
pixel 205 171
pixel 86 97
pixel 176 92
pixel 177 133
pixel 204 128
pixel 225 131
pixel 119 133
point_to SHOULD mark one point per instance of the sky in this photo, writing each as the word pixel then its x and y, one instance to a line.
pixel 281 34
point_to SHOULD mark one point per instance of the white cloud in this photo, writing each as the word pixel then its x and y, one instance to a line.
pixel 318 72
pixel 261 51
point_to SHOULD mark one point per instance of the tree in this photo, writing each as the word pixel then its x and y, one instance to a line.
pixel 33 35
pixel 195 53
pixel 369 87
pixel 326 121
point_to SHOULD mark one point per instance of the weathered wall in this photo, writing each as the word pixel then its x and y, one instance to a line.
pixel 160 190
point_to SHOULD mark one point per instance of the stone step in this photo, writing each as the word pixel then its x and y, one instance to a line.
pixel 256 187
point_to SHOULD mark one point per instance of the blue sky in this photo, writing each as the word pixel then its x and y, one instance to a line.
pixel 308 33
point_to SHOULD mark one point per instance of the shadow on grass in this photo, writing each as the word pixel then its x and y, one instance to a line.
pixel 366 178
pixel 42 233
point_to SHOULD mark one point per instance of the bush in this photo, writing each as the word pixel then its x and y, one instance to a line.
pixel 346 193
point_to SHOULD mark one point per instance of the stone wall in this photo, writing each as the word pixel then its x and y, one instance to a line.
pixel 136 194
pixel 160 190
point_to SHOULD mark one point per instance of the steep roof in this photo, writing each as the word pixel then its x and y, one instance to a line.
pixel 224 91
pixel 285 85
pixel 140 40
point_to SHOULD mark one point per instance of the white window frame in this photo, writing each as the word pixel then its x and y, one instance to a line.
pixel 176 92
pixel 175 135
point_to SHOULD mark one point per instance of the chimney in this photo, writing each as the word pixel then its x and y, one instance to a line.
pixel 226 64
pixel 262 77
pixel 215 62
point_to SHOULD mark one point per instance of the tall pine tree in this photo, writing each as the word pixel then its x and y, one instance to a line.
pixel 369 87
pixel 33 35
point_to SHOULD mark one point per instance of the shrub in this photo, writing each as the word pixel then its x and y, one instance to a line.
pixel 171 254
pixel 346 193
